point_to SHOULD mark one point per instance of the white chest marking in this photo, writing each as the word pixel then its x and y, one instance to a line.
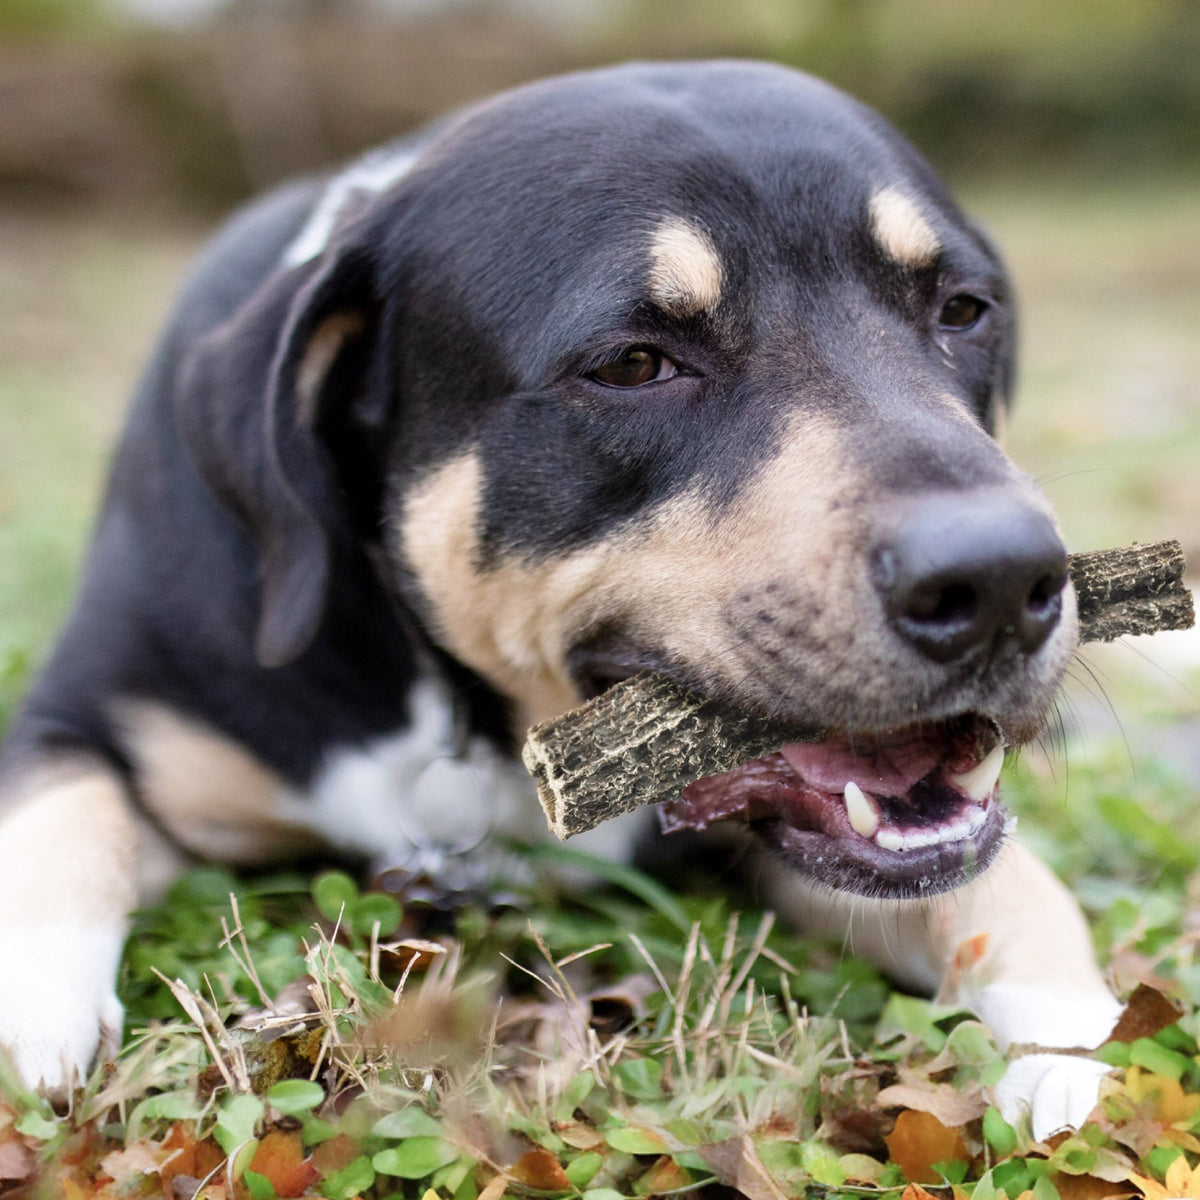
pixel 368 176
pixel 409 801
pixel 409 793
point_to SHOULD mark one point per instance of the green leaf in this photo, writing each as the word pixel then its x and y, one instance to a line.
pixel 371 908
pixel 294 1097
pixel 1161 1157
pixel 350 1181
pixel 406 1123
pixel 259 1186
pixel 415 1158
pixel 169 1106
pixel 603 1194
pixel 985 1189
pixel 1116 1054
pixel 1044 1189
pixel 914 1017
pixel 1012 1177
pixel 583 1170
pixel 242 1157
pixel 1146 1052
pixel 971 1044
pixel 1077 1160
pixel 632 1139
pixel 861 1167
pixel 686 1132
pixel 332 892
pixel 998 1133
pixel 237 1120
pixel 578 1090
pixel 821 1163
pixel 640 1078
pixel 315 1130
pixel 33 1124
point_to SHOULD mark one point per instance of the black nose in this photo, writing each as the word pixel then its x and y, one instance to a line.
pixel 969 572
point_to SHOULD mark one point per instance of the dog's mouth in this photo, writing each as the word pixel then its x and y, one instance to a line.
pixel 906 813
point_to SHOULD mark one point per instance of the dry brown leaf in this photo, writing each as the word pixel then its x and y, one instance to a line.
pixel 1146 1013
pixel 135 1161
pixel 280 1158
pixel 950 1105
pixel 540 1169
pixel 663 1178
pixel 495 1187
pixel 736 1164
pixel 918 1140
pixel 914 1191
pixel 579 1136
pixel 16 1161
pixel 1088 1187
pixel 335 1154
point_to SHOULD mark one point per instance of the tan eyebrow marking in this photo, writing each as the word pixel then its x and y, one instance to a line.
pixel 901 229
pixel 685 271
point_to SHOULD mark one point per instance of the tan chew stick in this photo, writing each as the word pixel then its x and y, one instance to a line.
pixel 644 740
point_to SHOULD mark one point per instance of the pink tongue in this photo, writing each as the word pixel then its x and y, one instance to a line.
pixel 885 770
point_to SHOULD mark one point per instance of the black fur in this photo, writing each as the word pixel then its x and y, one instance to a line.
pixel 234 570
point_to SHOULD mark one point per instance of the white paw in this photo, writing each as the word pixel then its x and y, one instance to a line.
pixel 1057 1091
pixel 57 1003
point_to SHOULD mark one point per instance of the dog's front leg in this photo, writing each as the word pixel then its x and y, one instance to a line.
pixel 68 881
pixel 1012 947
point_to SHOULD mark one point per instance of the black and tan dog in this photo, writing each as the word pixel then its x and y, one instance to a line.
pixel 690 367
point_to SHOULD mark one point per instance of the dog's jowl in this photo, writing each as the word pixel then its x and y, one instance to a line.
pixel 692 368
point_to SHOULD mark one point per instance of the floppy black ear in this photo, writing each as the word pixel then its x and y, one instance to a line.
pixel 252 410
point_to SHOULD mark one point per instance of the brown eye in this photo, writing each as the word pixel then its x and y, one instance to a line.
pixel 635 368
pixel 961 312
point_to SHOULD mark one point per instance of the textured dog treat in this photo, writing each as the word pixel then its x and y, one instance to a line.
pixel 644 740
pixel 1130 590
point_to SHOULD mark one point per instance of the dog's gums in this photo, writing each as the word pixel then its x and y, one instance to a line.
pixel 909 812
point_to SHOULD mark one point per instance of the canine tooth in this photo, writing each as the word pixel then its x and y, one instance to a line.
pixel 979 781
pixel 860 808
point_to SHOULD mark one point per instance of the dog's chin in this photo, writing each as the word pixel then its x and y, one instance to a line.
pixel 896 815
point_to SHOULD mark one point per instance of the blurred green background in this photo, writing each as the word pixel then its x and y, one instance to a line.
pixel 1071 129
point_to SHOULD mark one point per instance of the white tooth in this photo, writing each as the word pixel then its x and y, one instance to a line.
pixel 860 808
pixel 979 781
pixel 889 840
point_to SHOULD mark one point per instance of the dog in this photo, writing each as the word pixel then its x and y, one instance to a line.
pixel 694 368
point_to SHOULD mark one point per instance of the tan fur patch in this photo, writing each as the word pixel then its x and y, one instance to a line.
pixel 212 795
pixel 514 621
pixel 685 271
pixel 68 848
pixel 322 350
pixel 901 229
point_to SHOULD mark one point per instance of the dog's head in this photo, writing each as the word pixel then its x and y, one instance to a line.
pixel 693 368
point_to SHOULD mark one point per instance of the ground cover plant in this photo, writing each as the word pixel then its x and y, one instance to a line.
pixel 628 1041
pixel 300 1037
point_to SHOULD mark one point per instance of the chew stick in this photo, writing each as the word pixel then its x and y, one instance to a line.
pixel 1131 590
pixel 645 739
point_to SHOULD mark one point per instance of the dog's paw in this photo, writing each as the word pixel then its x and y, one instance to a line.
pixel 57 1002
pixel 1055 1091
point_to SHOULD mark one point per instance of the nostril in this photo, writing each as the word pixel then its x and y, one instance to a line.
pixel 1043 608
pixel 1046 594
pixel 953 604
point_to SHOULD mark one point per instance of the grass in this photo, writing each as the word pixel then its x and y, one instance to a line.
pixel 623 1042
pixel 630 1042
